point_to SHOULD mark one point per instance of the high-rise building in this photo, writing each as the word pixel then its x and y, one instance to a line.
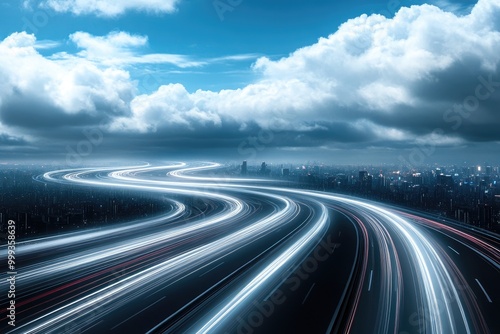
pixel 417 179
pixel 244 168
pixel 342 180
pixel 363 179
pixel 263 168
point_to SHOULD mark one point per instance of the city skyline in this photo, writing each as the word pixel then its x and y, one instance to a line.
pixel 199 247
pixel 388 82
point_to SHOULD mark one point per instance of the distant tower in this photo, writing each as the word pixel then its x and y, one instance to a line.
pixel 244 169
pixel 417 179
pixel 263 168
pixel 363 176
pixel 363 179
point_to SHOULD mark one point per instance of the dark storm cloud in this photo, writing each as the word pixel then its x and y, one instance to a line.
pixel 453 83
pixel 231 140
pixel 6 140
pixel 450 103
pixel 38 115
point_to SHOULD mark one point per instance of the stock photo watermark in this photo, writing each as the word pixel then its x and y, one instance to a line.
pixel 454 117
pixel 94 136
pixel 255 144
pixel 88 318
pixel 38 20
pixel 12 272
pixel 421 319
pixel 266 308
pixel 84 319
pixel 223 6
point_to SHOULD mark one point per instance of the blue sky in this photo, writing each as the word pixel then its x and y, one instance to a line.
pixel 204 30
pixel 178 76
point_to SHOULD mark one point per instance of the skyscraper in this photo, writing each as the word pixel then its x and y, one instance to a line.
pixel 244 169
pixel 263 168
pixel 363 179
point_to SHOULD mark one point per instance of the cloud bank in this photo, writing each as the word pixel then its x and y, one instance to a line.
pixel 376 82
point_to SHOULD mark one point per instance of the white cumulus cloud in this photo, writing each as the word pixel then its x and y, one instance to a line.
pixel 397 73
pixel 79 87
pixel 110 8
pixel 120 48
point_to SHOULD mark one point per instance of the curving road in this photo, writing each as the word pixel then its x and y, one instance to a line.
pixel 249 256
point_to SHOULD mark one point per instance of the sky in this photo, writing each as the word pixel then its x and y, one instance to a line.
pixel 409 82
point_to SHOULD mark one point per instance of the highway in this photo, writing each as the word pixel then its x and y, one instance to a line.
pixel 253 256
